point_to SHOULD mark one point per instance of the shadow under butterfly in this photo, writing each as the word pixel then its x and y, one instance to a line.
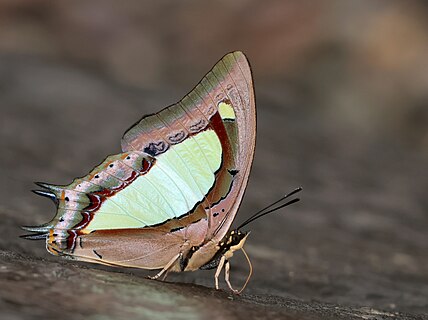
pixel 168 200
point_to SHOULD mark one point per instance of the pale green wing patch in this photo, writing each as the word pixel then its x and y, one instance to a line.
pixel 226 111
pixel 168 190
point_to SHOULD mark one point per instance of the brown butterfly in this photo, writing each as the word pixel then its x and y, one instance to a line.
pixel 168 200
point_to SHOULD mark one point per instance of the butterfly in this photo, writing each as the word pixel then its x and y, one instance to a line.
pixel 168 200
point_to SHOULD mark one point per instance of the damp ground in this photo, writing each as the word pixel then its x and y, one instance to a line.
pixel 355 247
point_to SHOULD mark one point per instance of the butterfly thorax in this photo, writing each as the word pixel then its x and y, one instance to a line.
pixel 234 240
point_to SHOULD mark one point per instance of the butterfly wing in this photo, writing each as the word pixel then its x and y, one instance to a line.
pixel 180 178
pixel 223 102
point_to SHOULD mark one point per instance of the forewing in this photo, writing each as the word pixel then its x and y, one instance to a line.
pixel 224 102
pixel 186 164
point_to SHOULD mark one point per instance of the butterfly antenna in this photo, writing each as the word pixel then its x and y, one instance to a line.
pixel 263 211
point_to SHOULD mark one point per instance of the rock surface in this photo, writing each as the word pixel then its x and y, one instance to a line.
pixel 352 132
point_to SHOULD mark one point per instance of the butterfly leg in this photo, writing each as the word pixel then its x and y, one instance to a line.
pixel 165 275
pixel 166 268
pixel 227 275
pixel 219 268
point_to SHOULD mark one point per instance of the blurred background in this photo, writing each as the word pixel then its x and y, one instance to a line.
pixel 342 98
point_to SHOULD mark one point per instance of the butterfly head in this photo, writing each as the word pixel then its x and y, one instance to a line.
pixel 233 241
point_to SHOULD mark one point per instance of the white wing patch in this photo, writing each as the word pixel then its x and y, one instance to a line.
pixel 180 178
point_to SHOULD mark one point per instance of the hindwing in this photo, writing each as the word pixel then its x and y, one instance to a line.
pixel 187 164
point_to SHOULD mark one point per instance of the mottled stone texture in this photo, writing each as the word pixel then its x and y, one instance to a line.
pixel 342 100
